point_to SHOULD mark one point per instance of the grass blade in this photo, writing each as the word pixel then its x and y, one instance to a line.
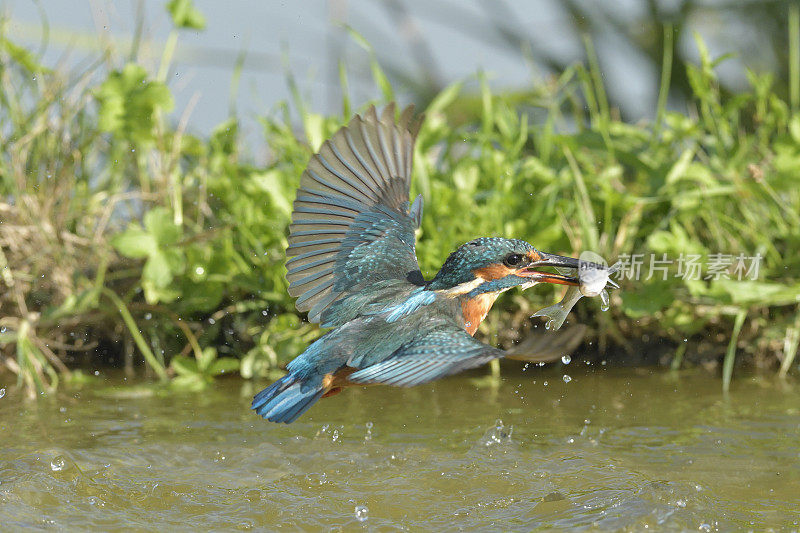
pixel 730 355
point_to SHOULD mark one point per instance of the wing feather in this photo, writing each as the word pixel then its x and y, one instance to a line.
pixel 441 352
pixel 351 224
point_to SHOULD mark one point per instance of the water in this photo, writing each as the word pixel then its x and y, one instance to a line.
pixel 612 449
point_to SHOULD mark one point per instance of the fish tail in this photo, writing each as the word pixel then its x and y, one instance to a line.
pixel 285 400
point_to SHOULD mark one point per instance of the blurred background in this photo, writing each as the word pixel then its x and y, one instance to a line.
pixel 241 58
pixel 151 151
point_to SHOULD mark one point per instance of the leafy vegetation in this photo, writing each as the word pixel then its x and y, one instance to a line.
pixel 124 236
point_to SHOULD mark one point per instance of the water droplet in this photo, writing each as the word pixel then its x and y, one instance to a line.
pixel 362 513
pixel 550 324
pixel 566 359
pixel 500 434
pixel 58 464
pixel 566 378
pixel 212 321
pixel 264 312
pixel 94 500
pixel 368 435
pixel 2 392
pixel 605 301
pixel 148 316
pixel 199 270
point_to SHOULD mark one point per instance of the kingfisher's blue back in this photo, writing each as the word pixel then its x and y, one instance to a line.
pixel 353 268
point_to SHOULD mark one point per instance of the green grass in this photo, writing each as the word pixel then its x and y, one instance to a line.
pixel 122 233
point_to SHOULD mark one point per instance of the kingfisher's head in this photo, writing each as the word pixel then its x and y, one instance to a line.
pixel 492 264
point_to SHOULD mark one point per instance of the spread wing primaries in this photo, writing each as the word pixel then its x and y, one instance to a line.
pixel 440 353
pixel 351 223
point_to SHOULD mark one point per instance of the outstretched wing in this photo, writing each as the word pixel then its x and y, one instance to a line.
pixel 442 352
pixel 352 224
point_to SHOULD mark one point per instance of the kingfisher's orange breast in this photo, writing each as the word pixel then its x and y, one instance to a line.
pixel 475 310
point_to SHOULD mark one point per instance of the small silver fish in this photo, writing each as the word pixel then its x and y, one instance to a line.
pixel 593 278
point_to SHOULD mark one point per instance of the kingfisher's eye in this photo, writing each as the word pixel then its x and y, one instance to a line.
pixel 513 260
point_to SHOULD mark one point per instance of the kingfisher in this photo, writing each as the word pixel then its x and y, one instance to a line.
pixel 353 268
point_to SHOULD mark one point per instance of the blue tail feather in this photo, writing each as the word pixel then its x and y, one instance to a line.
pixel 285 400
pixel 301 407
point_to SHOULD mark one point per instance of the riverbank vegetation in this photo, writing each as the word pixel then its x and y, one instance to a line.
pixel 127 239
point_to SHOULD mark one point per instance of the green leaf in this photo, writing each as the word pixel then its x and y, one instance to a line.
pixel 154 295
pixel 175 260
pixel 21 56
pixel 223 365
pixel 751 292
pixel 445 98
pixel 129 103
pixel 184 366
pixel 466 179
pixel 157 270
pixel 186 15
pixel 675 241
pixel 134 242
pixel 381 81
pixel 192 382
pixel 206 358
pixel 679 168
pixel 160 224
pixel 647 299
pixel 272 182
pixel 202 297
pixel 359 39
pixel 794 128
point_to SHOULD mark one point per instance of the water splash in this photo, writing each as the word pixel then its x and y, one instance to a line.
pixel 2 392
pixel 361 513
pixel 566 378
pixel 566 359
pixel 499 435
pixel 331 433
pixel 58 464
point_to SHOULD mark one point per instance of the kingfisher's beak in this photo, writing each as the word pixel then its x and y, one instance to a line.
pixel 543 259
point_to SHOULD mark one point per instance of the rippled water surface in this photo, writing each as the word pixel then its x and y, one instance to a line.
pixel 608 449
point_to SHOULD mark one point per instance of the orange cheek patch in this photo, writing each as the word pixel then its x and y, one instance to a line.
pixel 492 272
